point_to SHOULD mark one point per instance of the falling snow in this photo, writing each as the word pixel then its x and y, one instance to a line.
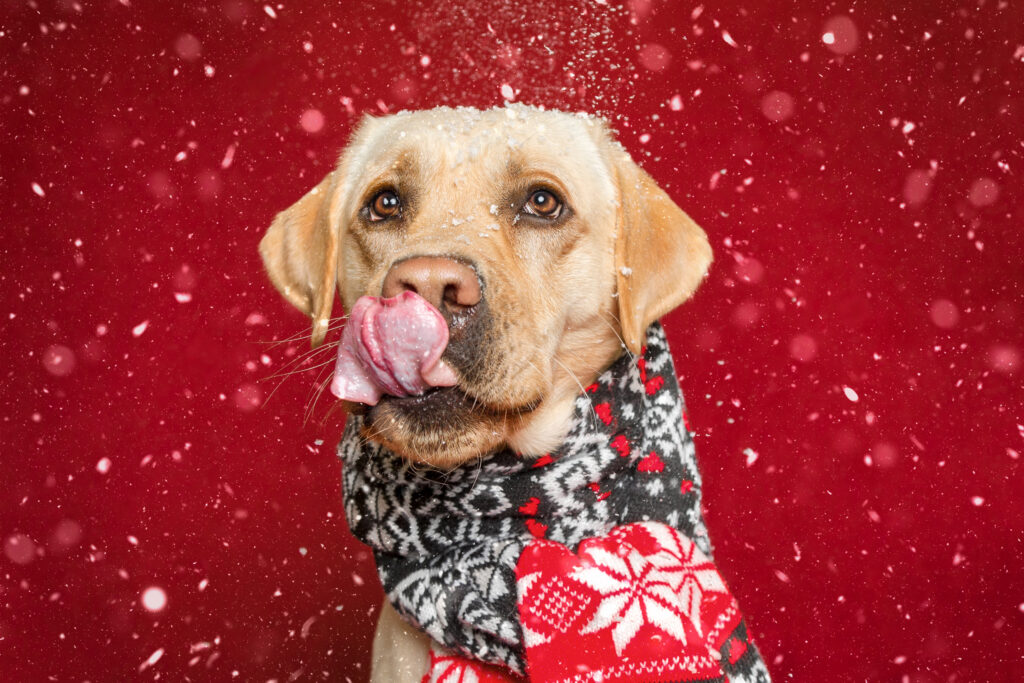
pixel 171 499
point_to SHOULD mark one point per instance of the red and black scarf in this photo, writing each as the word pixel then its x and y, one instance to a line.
pixel 589 561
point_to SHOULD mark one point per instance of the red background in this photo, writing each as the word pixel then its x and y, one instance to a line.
pixel 863 199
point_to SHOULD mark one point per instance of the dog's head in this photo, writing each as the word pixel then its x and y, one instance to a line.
pixel 543 245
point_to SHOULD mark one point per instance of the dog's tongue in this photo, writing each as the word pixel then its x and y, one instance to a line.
pixel 391 346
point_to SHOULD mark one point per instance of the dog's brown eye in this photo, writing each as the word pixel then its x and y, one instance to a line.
pixel 385 205
pixel 543 203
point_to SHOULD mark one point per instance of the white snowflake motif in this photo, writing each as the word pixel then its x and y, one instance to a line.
pixel 683 562
pixel 633 591
pixel 698 581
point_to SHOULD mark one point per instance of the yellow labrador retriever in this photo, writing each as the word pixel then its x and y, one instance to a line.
pixel 545 247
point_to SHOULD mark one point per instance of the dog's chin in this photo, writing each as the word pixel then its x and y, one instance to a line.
pixel 442 428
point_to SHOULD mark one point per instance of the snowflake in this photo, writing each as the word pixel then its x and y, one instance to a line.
pixel 633 592
pixel 660 589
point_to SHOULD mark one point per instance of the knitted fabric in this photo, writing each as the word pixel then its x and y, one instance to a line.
pixel 447 543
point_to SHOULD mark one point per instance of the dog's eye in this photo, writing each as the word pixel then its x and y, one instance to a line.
pixel 383 206
pixel 543 203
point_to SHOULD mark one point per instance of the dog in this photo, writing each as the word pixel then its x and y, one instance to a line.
pixel 545 247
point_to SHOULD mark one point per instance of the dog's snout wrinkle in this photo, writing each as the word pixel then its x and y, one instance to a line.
pixel 450 286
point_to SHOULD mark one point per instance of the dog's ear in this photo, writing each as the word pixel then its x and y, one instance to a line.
pixel 300 253
pixel 661 255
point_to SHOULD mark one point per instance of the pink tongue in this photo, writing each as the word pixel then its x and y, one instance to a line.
pixel 391 346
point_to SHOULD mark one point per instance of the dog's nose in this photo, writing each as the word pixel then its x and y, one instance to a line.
pixel 444 282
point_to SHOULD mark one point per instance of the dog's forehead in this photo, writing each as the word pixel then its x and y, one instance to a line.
pixel 473 143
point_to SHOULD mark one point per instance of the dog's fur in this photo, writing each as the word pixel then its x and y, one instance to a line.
pixel 561 297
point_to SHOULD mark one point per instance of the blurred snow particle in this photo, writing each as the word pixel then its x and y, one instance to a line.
pixel 307 47
pixel 803 348
pixel 188 47
pixel 1004 358
pixel 154 599
pixel 312 121
pixel 713 181
pixel 977 501
pixel 676 103
pixel 153 659
pixel 140 329
pixel 884 454
pixel 777 106
pixel 654 57
pixel 59 360
pixel 944 313
pixel 19 549
pixel 182 297
pixel 103 466
pixel 851 394
pixel 751 454
pixel 248 398
pixel 840 35
pixel 38 189
pixel 160 185
pixel 507 92
pixel 509 57
pixel 404 90
pixel 306 625
pixel 425 61
pixel 229 156
pixel 728 38
pixel 270 11
pixel 208 184
pixel 66 535
pixel 984 192
pixel 184 278
pixel 749 269
pixel 917 187
pixel 746 314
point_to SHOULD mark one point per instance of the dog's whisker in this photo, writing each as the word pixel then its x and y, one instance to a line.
pixel 616 332
pixel 284 373
pixel 289 366
pixel 306 355
pixel 298 371
pixel 592 413
pixel 333 324
pixel 320 386
pixel 313 352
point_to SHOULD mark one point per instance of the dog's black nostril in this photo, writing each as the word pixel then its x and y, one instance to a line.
pixel 451 298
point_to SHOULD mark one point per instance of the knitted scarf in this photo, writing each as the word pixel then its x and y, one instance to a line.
pixel 449 545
